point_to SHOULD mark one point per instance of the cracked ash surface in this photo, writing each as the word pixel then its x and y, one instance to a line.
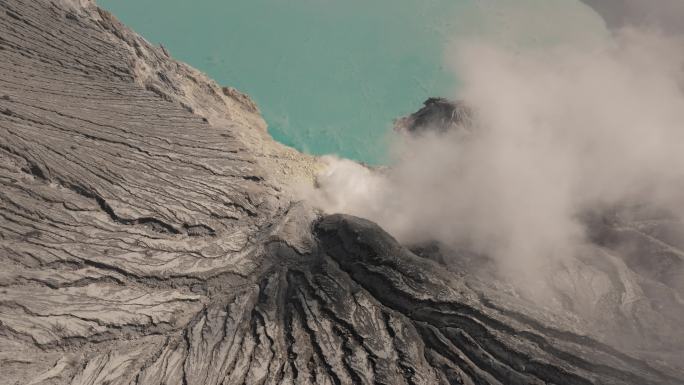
pixel 147 236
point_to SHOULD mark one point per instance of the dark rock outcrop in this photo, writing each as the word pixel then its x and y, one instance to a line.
pixel 437 115
pixel 147 236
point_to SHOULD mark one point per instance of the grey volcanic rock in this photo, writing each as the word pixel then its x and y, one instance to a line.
pixel 437 115
pixel 148 236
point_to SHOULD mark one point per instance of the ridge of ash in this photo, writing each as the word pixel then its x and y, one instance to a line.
pixel 145 240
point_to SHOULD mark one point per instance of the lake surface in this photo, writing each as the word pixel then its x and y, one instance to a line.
pixel 329 75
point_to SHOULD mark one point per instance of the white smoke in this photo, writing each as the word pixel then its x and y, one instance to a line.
pixel 664 15
pixel 562 127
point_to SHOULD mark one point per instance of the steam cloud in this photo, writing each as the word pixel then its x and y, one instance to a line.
pixel 561 128
pixel 665 15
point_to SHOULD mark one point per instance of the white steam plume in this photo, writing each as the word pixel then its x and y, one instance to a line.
pixel 664 15
pixel 561 128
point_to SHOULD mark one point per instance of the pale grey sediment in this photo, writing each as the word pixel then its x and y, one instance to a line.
pixel 147 236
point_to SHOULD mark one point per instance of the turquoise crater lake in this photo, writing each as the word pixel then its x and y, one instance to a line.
pixel 328 75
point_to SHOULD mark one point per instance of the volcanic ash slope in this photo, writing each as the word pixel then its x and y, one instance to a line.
pixel 148 236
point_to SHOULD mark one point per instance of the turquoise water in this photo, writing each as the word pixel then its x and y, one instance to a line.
pixel 328 75
pixel 331 75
